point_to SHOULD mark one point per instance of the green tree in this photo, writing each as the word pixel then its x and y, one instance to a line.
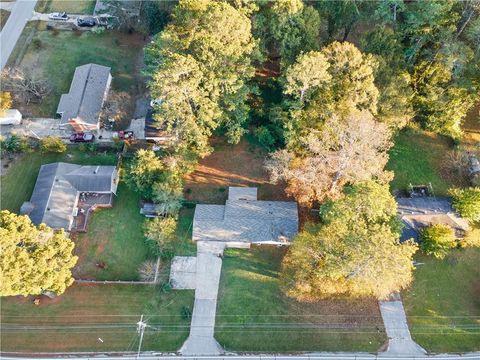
pixel 437 239
pixel 308 74
pixel 168 196
pixel 160 235
pixel 343 15
pixel 213 45
pixel 143 171
pixel 287 28
pixel 355 252
pixel 341 82
pixel 52 144
pixel 467 203
pixel 391 76
pixel 440 102
pixel 352 74
pixel 33 259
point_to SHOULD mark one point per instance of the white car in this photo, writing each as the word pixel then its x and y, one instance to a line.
pixel 58 16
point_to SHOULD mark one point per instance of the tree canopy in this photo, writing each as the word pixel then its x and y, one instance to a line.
pixel 344 150
pixel 34 259
pixel 356 251
pixel 200 66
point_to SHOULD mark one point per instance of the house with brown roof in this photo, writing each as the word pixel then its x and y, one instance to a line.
pixel 81 107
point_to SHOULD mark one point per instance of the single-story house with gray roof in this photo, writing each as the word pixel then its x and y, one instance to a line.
pixel 58 188
pixel 419 212
pixel 82 105
pixel 244 220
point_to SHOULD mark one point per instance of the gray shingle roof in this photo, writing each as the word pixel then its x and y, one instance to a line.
pixel 84 101
pixel 242 193
pixel 418 213
pixel 56 191
pixel 249 221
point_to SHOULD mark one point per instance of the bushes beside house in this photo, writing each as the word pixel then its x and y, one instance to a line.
pixel 437 240
pixel 467 203
pixel 52 144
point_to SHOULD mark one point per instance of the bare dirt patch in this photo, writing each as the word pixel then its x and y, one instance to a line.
pixel 231 165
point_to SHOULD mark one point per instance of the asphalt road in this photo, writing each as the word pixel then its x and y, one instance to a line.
pixel 21 12
pixel 312 356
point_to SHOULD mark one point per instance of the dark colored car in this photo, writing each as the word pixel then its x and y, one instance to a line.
pixel 86 22
pixel 82 137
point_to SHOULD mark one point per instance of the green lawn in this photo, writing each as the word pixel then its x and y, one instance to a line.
pixel 254 316
pixel 443 304
pixel 4 14
pixel 417 159
pixel 185 245
pixel 18 183
pixel 69 6
pixel 76 320
pixel 56 56
pixel 115 238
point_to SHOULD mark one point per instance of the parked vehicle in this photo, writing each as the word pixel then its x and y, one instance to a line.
pixel 86 22
pixel 102 21
pixel 82 137
pixel 124 135
pixel 58 16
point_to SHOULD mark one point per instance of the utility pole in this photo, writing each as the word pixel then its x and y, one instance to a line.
pixel 140 329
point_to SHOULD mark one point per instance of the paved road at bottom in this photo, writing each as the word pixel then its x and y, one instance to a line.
pixel 310 356
pixel 21 12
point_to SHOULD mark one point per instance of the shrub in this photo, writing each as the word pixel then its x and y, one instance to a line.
pixel 98 30
pixel 186 313
pixel 37 44
pixel 15 144
pixel 471 239
pixel 467 202
pixel 147 270
pixel 52 144
pixel 436 240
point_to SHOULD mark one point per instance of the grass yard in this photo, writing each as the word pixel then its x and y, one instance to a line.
pixel 77 320
pixel 4 14
pixel 417 159
pixel 70 6
pixel 18 182
pixel 115 238
pixel 185 245
pixel 254 316
pixel 56 55
pixel 443 304
pixel 230 165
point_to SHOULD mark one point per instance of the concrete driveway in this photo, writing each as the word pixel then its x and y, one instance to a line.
pixel 400 342
pixel 43 127
pixel 21 12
